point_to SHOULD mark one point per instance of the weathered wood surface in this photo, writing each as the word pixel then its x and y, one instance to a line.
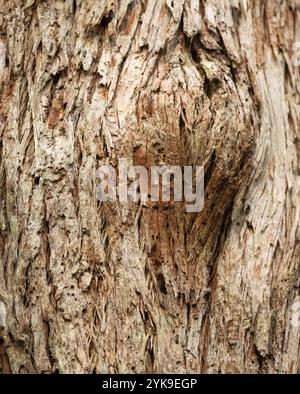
pixel 111 288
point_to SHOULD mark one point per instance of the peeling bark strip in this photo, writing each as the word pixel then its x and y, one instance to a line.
pixel 91 287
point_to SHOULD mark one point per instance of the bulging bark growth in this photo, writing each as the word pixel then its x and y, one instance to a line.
pixel 110 287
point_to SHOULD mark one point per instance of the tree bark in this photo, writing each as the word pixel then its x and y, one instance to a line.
pixel 118 288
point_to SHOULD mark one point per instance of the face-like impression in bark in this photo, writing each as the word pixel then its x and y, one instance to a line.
pixel 184 109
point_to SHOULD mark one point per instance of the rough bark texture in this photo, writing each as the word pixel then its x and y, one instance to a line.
pixel 91 287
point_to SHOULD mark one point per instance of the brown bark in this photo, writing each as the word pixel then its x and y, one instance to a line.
pixel 92 287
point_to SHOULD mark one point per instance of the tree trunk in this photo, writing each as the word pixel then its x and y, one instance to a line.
pixel 99 287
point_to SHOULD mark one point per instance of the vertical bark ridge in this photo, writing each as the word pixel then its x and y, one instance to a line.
pixel 91 287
